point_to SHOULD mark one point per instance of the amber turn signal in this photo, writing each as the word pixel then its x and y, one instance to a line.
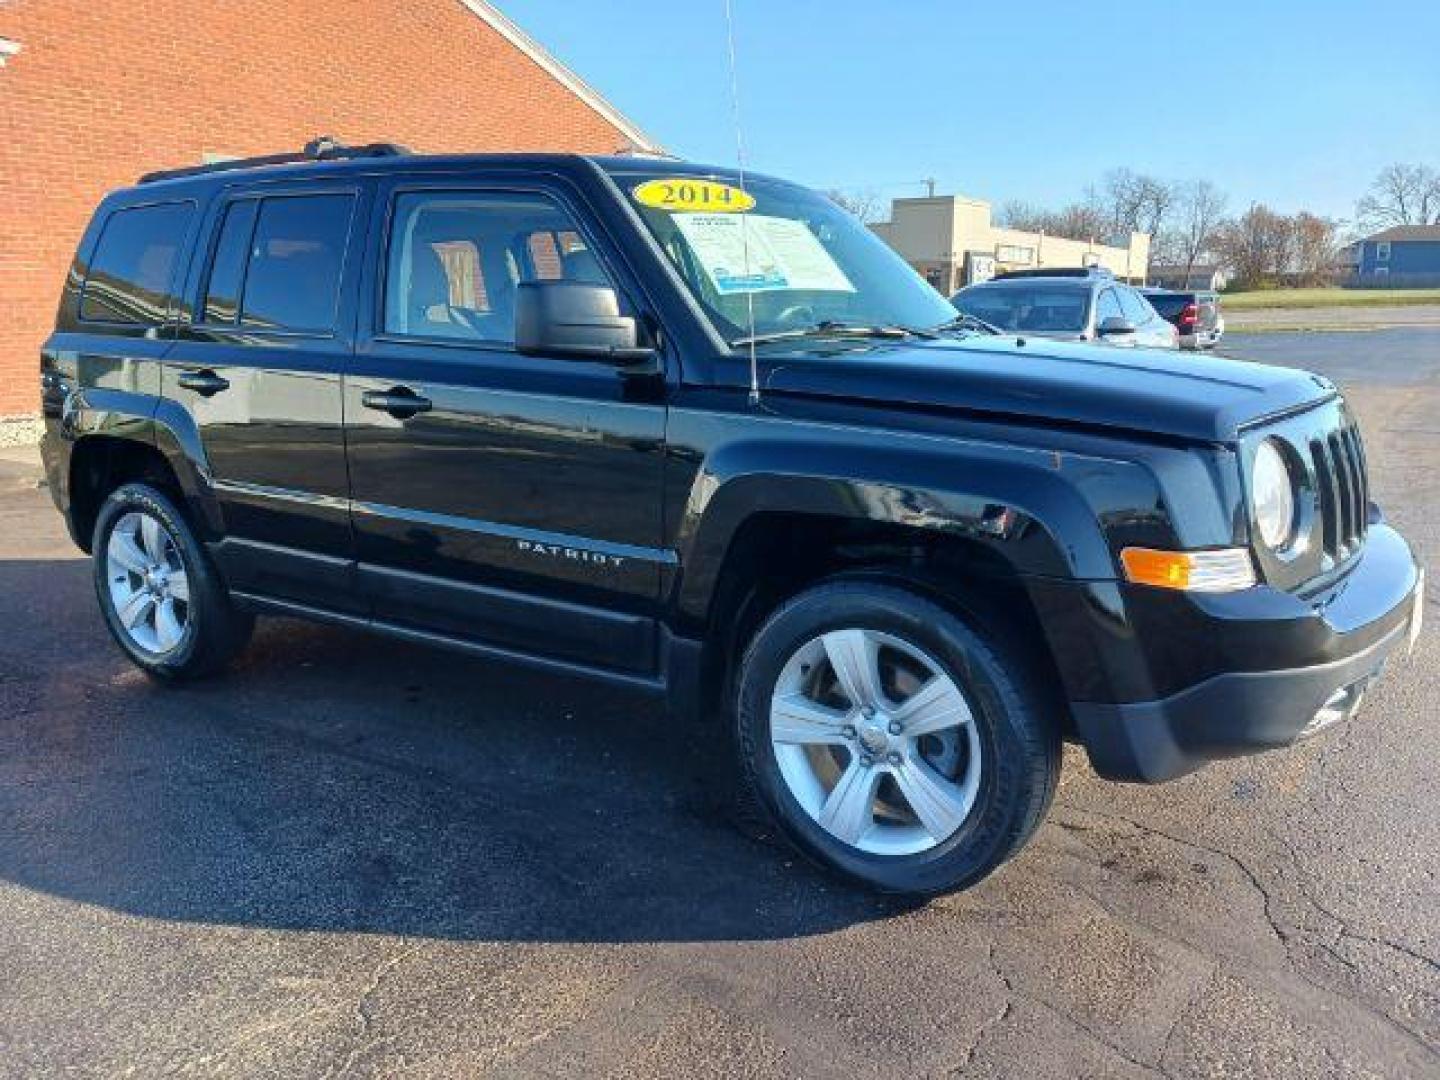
pixel 1223 570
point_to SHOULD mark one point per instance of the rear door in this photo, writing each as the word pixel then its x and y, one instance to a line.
pixel 258 365
pixel 506 499
pixel 1150 328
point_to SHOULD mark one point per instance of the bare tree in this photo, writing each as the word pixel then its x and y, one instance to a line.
pixel 1259 245
pixel 1131 202
pixel 1401 195
pixel 865 205
pixel 1078 221
pixel 1199 213
pixel 1027 217
pixel 1314 244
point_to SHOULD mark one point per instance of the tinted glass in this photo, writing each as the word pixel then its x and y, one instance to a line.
pixel 1168 304
pixel 455 260
pixel 296 257
pixel 1038 308
pixel 1108 307
pixel 227 272
pixel 130 272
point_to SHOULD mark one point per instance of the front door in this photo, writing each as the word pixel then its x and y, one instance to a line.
pixel 505 499
pixel 258 365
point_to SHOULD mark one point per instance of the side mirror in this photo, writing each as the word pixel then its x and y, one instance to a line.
pixel 1114 326
pixel 576 320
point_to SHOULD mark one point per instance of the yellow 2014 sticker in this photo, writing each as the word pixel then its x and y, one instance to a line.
pixel 688 193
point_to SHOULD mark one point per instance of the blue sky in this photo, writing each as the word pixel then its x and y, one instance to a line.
pixel 1293 103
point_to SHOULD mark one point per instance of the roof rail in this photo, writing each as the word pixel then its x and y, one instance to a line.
pixel 1057 272
pixel 325 148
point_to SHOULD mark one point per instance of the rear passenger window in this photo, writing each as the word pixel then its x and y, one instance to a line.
pixel 282 258
pixel 1108 307
pixel 129 275
pixel 1134 306
pixel 227 273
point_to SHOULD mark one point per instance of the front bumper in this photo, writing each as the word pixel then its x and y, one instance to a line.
pixel 1337 642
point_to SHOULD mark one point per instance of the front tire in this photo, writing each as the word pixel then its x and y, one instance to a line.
pixel 892 741
pixel 163 602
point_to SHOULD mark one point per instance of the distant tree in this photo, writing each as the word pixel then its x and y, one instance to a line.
pixel 1027 217
pixel 1315 241
pixel 1128 202
pixel 1401 195
pixel 1199 213
pixel 1259 245
pixel 865 205
pixel 1078 221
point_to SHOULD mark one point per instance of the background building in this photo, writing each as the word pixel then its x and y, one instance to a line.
pixel 951 241
pixel 94 94
pixel 1205 276
pixel 1406 255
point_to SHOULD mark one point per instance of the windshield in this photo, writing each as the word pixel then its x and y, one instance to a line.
pixel 1036 308
pixel 802 262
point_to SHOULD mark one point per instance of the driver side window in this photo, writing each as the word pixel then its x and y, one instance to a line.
pixel 455 258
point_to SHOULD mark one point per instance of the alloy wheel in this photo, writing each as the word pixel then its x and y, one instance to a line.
pixel 876 742
pixel 149 586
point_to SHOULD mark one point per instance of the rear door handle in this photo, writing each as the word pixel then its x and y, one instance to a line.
pixel 399 401
pixel 204 383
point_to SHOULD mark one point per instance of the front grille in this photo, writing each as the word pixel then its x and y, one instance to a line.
pixel 1343 490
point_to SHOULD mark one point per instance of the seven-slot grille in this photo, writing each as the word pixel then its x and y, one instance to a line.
pixel 1343 489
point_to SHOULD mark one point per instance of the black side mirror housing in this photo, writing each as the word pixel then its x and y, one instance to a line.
pixel 1114 325
pixel 575 320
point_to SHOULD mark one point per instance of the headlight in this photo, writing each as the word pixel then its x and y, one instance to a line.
pixel 1272 496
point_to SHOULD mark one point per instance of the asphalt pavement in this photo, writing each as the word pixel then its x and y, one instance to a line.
pixel 354 857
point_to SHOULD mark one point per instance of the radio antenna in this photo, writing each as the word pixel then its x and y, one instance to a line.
pixel 744 224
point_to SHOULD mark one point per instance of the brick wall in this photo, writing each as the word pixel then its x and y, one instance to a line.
pixel 102 91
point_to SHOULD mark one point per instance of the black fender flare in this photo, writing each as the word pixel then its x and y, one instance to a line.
pixel 162 424
pixel 1026 505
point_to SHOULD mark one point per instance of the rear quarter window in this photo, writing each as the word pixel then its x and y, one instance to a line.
pixel 131 272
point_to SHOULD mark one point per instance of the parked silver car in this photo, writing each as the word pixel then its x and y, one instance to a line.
pixel 1081 305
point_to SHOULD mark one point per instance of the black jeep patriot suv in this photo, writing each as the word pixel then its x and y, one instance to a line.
pixel 707 437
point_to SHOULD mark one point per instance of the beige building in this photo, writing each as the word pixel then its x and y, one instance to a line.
pixel 952 242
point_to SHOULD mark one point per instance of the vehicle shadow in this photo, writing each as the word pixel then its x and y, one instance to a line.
pixel 340 781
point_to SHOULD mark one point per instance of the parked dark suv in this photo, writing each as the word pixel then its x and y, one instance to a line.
pixel 1194 314
pixel 643 422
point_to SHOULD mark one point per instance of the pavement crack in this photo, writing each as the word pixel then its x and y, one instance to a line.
pixel 1281 934
pixel 1007 1008
pixel 1344 928
pixel 364 1018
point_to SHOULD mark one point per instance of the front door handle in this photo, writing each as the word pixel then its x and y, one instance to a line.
pixel 399 401
pixel 204 383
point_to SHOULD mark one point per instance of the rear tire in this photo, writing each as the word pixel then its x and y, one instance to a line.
pixel 163 602
pixel 892 741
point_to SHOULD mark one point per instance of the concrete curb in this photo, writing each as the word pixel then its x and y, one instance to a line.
pixel 20 431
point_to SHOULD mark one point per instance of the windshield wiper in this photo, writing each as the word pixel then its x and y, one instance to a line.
pixel 969 322
pixel 836 328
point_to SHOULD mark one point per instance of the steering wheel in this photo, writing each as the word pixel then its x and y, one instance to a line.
pixel 796 315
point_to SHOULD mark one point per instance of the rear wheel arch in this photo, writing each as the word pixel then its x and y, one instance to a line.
pixel 100 464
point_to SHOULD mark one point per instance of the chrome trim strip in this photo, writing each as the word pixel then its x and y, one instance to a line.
pixel 662 556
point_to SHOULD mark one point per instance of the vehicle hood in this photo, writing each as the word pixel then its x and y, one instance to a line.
pixel 1159 391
